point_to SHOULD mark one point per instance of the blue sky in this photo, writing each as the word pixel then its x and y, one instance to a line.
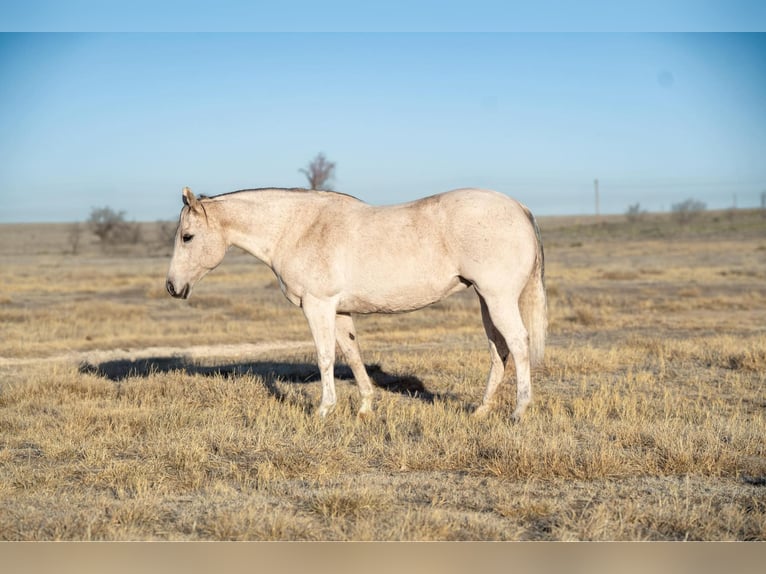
pixel 379 16
pixel 128 119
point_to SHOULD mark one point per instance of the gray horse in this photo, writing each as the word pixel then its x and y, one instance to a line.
pixel 335 255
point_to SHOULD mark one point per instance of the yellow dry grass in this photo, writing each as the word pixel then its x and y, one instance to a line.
pixel 647 423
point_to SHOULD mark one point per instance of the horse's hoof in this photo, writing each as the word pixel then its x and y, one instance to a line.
pixel 325 410
pixel 364 415
pixel 481 411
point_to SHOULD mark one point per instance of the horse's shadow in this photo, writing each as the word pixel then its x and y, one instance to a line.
pixel 271 372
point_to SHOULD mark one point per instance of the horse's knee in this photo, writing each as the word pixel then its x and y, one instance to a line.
pixel 519 346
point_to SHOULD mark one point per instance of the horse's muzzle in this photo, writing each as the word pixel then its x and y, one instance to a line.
pixel 182 294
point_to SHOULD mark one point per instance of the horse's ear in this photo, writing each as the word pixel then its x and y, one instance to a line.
pixel 190 199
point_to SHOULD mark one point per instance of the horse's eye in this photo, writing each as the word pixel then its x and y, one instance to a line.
pixel 187 237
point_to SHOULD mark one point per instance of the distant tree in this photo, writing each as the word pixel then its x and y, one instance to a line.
pixel 687 210
pixel 319 172
pixel 103 221
pixel 635 213
pixel 111 228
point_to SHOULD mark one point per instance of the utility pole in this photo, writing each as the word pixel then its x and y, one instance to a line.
pixel 595 188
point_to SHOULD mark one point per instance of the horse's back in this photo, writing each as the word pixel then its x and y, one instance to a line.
pixel 483 216
pixel 462 223
pixel 433 244
pixel 468 203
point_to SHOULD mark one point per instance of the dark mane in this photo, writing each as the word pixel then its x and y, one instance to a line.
pixel 290 189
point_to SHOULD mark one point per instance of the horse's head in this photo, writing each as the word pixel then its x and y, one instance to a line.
pixel 200 246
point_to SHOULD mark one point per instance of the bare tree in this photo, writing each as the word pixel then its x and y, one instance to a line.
pixel 687 210
pixel 319 172
pixel 635 213
pixel 111 228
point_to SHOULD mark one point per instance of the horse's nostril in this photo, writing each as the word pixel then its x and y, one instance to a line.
pixel 171 289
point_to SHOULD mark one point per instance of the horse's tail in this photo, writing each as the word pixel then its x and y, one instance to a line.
pixel 533 301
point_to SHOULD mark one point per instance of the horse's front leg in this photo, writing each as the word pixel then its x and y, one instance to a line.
pixel 321 318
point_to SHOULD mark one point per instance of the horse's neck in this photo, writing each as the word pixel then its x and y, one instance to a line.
pixel 256 221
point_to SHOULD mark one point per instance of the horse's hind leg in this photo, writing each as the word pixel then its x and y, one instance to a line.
pixel 498 352
pixel 505 316
pixel 345 335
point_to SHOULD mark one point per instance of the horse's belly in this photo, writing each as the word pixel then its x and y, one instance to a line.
pixel 396 296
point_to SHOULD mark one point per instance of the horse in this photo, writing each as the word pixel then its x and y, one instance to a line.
pixel 335 255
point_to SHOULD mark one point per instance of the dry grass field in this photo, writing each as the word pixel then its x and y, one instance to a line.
pixel 127 415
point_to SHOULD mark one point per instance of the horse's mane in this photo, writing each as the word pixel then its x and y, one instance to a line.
pixel 290 189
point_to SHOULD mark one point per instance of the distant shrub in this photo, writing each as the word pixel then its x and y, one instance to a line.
pixel 111 228
pixel 688 210
pixel 635 213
